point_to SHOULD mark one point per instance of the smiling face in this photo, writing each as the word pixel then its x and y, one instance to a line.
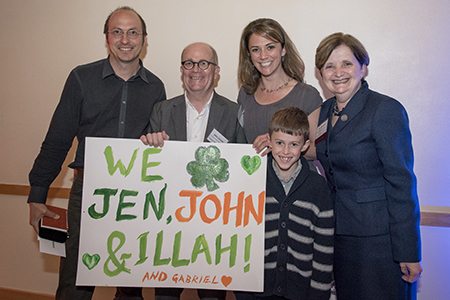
pixel 265 55
pixel 197 80
pixel 286 150
pixel 342 73
pixel 124 50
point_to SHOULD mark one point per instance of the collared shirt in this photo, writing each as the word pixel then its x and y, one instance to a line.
pixel 196 122
pixel 95 102
pixel 287 184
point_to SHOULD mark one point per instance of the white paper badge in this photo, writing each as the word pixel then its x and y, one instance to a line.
pixel 216 137
pixel 321 131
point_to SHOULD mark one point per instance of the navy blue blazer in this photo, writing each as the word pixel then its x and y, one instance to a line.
pixel 368 160
pixel 170 116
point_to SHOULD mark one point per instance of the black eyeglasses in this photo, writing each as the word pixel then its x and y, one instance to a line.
pixel 203 64
pixel 131 34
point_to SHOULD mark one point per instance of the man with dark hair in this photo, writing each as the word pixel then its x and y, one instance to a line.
pixel 111 98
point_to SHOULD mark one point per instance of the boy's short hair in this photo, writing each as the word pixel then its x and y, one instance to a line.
pixel 290 120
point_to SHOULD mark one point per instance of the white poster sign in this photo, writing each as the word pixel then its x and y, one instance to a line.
pixel 188 215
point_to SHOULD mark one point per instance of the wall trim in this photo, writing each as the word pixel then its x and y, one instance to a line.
pixel 435 216
pixel 431 215
pixel 7 293
pixel 23 190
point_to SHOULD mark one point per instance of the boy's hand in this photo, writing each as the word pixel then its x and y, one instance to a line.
pixel 261 143
pixel 155 139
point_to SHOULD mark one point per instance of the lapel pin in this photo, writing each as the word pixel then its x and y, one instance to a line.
pixel 344 118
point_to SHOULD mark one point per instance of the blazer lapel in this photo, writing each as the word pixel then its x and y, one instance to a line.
pixel 326 114
pixel 351 110
pixel 215 115
pixel 179 120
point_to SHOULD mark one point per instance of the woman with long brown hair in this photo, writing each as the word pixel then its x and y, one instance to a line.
pixel 270 77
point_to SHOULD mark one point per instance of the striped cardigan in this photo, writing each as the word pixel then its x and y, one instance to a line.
pixel 299 236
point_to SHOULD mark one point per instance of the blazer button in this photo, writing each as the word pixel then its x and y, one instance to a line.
pixel 330 171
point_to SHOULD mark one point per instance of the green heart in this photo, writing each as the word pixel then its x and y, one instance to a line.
pixel 250 164
pixel 90 261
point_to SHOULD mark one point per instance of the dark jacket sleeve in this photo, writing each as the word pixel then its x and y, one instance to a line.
pixel 394 147
pixel 323 237
pixel 63 129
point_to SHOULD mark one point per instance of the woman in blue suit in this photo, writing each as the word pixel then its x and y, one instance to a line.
pixel 364 145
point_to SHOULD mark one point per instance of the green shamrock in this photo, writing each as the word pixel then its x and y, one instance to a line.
pixel 207 167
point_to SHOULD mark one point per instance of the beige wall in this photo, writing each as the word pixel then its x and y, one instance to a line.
pixel 43 40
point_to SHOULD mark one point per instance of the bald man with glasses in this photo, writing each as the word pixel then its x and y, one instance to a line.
pixel 199 115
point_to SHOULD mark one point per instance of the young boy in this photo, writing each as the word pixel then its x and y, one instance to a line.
pixel 299 217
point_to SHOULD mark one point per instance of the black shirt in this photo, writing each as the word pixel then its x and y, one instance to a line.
pixel 95 102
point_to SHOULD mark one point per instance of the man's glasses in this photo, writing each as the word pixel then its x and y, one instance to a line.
pixel 203 64
pixel 131 34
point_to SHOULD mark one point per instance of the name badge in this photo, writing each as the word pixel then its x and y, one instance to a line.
pixel 216 137
pixel 321 133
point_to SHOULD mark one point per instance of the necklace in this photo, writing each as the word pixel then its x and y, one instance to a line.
pixel 336 111
pixel 278 88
